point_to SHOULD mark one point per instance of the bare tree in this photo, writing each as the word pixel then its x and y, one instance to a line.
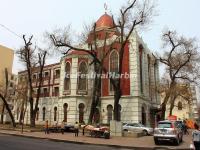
pixel 180 60
pixel 21 100
pixel 34 61
pixel 5 97
pixel 125 25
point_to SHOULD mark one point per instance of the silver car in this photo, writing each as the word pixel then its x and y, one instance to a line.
pixel 168 131
pixel 138 127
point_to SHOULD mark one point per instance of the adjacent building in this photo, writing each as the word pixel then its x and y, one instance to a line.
pixel 6 61
pixel 185 107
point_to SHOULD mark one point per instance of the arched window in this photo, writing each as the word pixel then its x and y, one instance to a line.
pixel 141 68
pixel 65 106
pixel 55 113
pixel 43 113
pixel 143 115
pixel 67 76
pixel 82 79
pixel 114 66
pixel 81 107
pixel 37 114
pixel 180 106
pixel 110 112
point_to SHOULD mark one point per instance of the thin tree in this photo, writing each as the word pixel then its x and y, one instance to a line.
pixel 5 96
pixel 34 61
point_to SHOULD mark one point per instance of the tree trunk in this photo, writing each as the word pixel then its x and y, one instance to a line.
pixel 163 109
pixel 9 111
pixel 167 96
pixel 32 119
pixel 117 96
pixel 2 113
pixel 171 110
pixel 96 93
pixel 172 102
pixel 21 113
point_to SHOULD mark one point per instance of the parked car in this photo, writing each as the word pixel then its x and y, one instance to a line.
pixel 168 131
pixel 138 127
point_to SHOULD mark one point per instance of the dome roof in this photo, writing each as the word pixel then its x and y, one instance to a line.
pixel 104 21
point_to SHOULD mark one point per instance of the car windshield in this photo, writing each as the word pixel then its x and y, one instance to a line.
pixel 141 125
pixel 164 125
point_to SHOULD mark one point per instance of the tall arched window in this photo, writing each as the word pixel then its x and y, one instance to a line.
pixel 155 78
pixel 67 76
pixel 141 68
pixel 180 106
pixel 37 114
pixel 110 112
pixel 43 113
pixel 114 66
pixel 81 107
pixel 55 113
pixel 65 106
pixel 143 115
pixel 82 79
pixel 149 75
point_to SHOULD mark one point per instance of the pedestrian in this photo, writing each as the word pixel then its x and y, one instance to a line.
pixel 196 137
pixel 63 127
pixel 185 128
pixel 76 129
pixel 46 127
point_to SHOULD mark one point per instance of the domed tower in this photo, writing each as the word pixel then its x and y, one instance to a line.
pixel 104 25
pixel 104 22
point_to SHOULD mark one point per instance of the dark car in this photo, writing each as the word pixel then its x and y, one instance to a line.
pixel 69 128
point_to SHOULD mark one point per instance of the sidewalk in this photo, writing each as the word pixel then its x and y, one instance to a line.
pixel 123 142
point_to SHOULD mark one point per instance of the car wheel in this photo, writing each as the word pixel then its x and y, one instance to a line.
pixel 125 130
pixel 156 141
pixel 177 141
pixel 145 132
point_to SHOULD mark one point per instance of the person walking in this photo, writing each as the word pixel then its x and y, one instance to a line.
pixel 196 137
pixel 185 128
pixel 76 129
pixel 63 127
pixel 46 127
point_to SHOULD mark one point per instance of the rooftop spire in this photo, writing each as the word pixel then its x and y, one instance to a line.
pixel 105 7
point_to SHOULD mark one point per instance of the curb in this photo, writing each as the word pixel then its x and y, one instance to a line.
pixel 85 143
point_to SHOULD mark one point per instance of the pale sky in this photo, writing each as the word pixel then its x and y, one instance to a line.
pixel 33 17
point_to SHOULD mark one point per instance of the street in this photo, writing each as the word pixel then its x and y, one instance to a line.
pixel 9 142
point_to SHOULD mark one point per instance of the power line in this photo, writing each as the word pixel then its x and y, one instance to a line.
pixel 9 30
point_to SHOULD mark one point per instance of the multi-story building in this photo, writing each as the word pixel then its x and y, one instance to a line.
pixel 67 92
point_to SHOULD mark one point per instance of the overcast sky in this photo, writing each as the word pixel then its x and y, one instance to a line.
pixel 33 17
